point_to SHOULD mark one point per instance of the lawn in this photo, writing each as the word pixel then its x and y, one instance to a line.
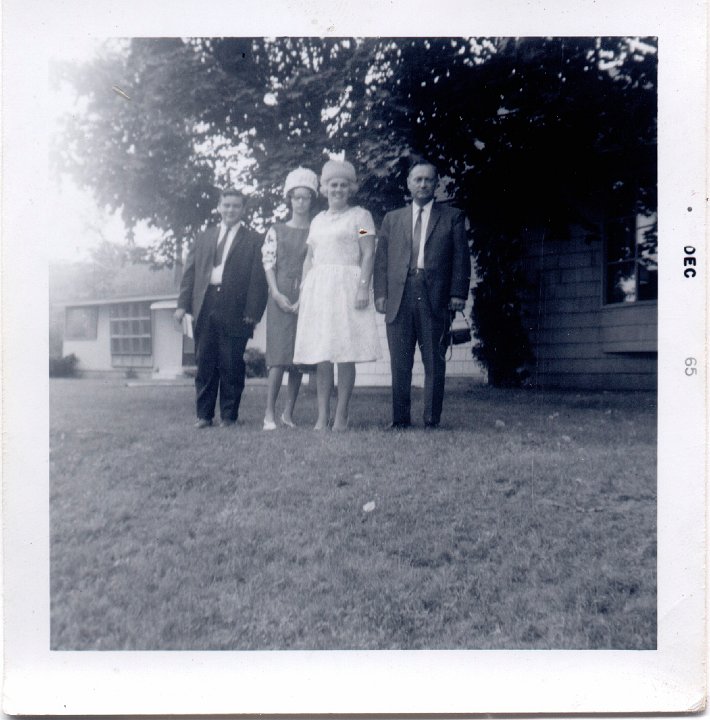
pixel 527 521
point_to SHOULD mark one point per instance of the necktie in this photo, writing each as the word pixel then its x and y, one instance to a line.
pixel 220 248
pixel 416 238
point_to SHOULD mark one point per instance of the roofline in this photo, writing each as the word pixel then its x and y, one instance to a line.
pixel 116 300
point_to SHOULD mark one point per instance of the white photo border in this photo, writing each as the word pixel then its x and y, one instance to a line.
pixel 669 679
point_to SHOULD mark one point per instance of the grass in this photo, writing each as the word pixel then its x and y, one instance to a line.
pixel 527 521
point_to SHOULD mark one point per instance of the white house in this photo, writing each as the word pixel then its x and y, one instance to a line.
pixel 137 333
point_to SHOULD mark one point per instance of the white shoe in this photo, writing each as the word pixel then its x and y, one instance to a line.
pixel 269 425
pixel 286 422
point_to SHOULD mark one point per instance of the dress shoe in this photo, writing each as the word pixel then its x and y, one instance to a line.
pixel 398 426
pixel 431 425
pixel 228 423
pixel 202 423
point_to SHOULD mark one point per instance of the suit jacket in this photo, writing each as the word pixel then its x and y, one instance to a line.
pixel 244 288
pixel 447 261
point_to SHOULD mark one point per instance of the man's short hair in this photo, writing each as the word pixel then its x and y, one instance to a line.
pixel 232 192
pixel 417 160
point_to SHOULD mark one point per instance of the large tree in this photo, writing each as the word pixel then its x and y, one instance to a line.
pixel 521 128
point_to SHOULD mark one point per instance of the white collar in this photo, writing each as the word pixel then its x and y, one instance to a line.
pixel 233 229
pixel 426 209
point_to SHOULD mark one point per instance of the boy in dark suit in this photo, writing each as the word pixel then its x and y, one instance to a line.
pixel 422 270
pixel 224 288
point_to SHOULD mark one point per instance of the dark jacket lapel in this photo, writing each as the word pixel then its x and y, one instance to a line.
pixel 434 216
pixel 405 218
pixel 212 238
pixel 236 239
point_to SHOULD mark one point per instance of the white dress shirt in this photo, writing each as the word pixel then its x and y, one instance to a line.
pixel 426 213
pixel 216 275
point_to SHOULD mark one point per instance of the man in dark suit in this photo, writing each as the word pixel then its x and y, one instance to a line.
pixel 224 289
pixel 422 271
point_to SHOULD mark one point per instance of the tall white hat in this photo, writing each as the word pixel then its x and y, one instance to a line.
pixel 301 177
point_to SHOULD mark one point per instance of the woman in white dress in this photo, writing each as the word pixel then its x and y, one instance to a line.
pixel 336 316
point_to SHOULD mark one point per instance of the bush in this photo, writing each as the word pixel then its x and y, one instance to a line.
pixel 503 346
pixel 63 366
pixel 256 363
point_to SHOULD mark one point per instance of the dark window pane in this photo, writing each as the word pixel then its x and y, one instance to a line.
pixel 632 258
pixel 621 282
pixel 620 238
pixel 131 332
pixel 647 240
pixel 81 323
pixel 647 283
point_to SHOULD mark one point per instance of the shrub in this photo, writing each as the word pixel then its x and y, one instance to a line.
pixel 63 366
pixel 254 359
pixel 503 346
pixel 256 363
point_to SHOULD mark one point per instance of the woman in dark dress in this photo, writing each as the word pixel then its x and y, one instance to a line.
pixel 283 253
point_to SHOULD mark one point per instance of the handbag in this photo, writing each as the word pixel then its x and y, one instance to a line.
pixel 455 336
pixel 459 335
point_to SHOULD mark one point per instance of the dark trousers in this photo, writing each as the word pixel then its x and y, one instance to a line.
pixel 220 362
pixel 416 323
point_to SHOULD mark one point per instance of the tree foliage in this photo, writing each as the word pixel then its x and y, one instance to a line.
pixel 521 129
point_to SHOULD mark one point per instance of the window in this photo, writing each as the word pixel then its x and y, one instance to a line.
pixel 80 323
pixel 632 258
pixel 131 340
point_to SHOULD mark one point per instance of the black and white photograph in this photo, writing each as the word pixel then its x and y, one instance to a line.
pixel 515 508
pixel 359 347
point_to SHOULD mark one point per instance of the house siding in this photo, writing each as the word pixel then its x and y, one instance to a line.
pixel 577 341
pixel 93 354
